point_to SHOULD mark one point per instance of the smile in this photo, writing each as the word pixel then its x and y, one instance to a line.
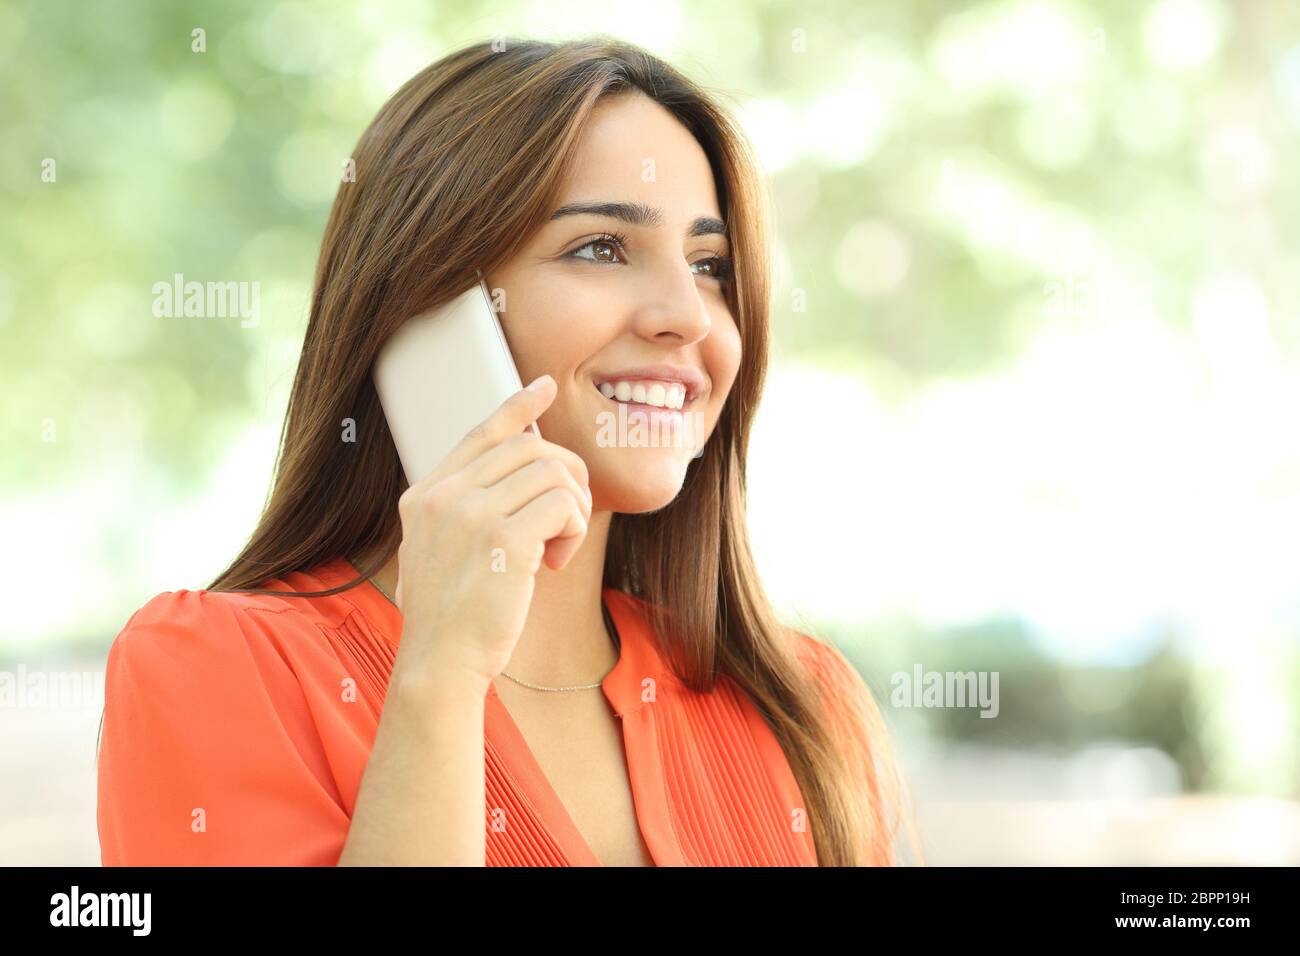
pixel 645 393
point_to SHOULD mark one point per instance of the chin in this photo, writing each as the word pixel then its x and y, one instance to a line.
pixel 649 480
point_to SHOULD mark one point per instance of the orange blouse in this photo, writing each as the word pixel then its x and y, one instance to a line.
pixel 237 728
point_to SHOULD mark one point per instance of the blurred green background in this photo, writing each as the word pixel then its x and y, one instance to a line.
pixel 1031 411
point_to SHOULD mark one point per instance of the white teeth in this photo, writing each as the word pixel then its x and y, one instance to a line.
pixel 659 394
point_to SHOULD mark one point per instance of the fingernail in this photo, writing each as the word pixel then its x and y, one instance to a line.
pixel 536 383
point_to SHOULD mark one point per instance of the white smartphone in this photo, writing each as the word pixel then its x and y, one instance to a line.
pixel 441 374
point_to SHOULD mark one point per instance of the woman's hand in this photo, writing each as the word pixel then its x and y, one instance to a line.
pixel 475 531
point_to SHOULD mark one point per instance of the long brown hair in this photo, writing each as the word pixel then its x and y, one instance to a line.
pixel 504 120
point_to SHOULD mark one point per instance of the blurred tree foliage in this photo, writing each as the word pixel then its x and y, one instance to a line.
pixel 933 163
pixel 1042 701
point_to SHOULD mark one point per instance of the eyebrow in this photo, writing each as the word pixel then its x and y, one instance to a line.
pixel 639 214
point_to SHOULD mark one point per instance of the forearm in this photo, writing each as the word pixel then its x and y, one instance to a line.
pixel 421 800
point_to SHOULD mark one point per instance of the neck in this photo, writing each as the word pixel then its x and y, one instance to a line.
pixel 564 640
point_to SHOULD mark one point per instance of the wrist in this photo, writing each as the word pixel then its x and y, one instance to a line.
pixel 439 676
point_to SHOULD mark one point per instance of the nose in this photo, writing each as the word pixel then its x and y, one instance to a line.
pixel 672 308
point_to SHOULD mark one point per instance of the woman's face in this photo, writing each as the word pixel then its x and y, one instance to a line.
pixel 594 311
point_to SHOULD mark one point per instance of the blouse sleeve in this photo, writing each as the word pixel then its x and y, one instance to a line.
pixel 207 755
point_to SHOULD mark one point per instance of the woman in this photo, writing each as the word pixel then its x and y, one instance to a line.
pixel 551 650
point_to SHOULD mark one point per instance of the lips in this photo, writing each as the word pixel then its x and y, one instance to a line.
pixel 655 386
pixel 669 427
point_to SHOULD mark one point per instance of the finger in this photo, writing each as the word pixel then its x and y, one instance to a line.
pixel 517 489
pixel 516 452
pixel 559 551
pixel 552 514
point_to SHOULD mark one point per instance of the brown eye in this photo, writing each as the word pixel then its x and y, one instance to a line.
pixel 608 249
pixel 605 251
pixel 719 267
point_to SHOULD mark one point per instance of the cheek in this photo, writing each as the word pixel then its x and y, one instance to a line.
pixel 723 355
pixel 560 347
pixel 543 342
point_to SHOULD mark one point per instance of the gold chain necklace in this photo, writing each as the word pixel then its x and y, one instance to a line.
pixel 609 628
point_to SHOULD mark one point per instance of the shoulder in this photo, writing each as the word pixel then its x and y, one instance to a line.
pixel 202 607
pixel 844 693
pixel 824 661
pixel 192 615
pixel 205 633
